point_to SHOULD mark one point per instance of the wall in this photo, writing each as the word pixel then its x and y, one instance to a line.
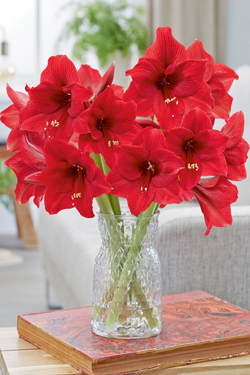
pixel 238 40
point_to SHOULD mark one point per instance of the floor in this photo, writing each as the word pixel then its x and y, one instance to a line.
pixel 22 285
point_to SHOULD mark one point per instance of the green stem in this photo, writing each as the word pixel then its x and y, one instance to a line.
pixel 97 159
pixel 114 201
pixel 127 275
pixel 104 204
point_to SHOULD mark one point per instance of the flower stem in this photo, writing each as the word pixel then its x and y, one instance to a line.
pixel 104 204
pixel 127 274
pixel 114 201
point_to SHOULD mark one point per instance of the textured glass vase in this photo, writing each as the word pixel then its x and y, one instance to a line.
pixel 127 278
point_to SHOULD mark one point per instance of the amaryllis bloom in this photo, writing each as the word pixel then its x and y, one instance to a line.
pixel 200 146
pixel 219 77
pixel 72 179
pixel 107 124
pixel 10 117
pixel 146 172
pixel 215 196
pixel 167 79
pixel 27 163
pixel 237 148
pixel 54 105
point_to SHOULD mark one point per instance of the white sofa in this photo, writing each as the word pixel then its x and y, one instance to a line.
pixel 218 263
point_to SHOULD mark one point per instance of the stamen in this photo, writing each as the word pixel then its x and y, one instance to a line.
pixel 193 166
pixel 116 143
pixel 75 195
pixel 170 100
pixel 55 123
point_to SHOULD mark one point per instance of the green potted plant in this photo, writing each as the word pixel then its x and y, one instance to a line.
pixel 106 28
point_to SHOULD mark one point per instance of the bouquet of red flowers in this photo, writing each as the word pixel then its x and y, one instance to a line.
pixel 78 136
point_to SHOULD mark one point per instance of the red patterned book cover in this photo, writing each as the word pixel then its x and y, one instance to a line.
pixel 196 327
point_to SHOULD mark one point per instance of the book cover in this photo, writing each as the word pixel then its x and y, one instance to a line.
pixel 196 327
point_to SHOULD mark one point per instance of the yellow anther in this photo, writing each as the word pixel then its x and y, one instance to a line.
pixel 193 166
pixel 116 143
pixel 170 100
pixel 55 123
pixel 75 195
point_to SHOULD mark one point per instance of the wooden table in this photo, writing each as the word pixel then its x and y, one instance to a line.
pixel 18 357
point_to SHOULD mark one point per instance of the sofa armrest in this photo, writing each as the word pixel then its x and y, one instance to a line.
pixel 218 263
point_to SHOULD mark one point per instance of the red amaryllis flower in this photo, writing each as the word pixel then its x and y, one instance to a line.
pixel 167 78
pixel 10 117
pixel 146 172
pixel 106 124
pixel 56 102
pixel 215 196
pixel 27 163
pixel 237 148
pixel 200 146
pixel 219 77
pixel 72 179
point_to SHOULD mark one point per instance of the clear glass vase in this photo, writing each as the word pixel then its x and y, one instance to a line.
pixel 127 278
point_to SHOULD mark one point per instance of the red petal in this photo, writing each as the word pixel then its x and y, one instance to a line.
pixel 106 80
pixel 129 159
pixel 79 94
pixel 39 194
pixel 190 75
pixel 57 151
pixel 234 129
pixel 196 120
pixel 150 139
pixel 215 196
pixel 10 117
pixel 58 177
pixel 176 140
pixel 55 202
pixel 170 194
pixel 170 166
pixel 236 172
pixel 138 200
pixel 202 99
pixel 147 75
pixel 47 98
pixel 144 106
pixel 120 185
pixel 14 140
pixel 100 185
pixel 85 204
pixel 60 71
pixel 168 114
pixel 32 150
pixel 18 98
pixel 166 48
pixel 89 77
pixel 225 75
pixel 223 101
pixel 144 123
pixel 215 166
pixel 216 143
pixel 191 174
pixel 86 143
pixel 197 52
pixel 24 191
pixel 238 154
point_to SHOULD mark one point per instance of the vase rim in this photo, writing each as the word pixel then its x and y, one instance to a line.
pixel 126 214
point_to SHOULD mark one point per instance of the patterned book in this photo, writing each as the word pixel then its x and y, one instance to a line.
pixel 196 327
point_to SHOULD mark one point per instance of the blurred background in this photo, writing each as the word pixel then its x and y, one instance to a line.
pixel 95 33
